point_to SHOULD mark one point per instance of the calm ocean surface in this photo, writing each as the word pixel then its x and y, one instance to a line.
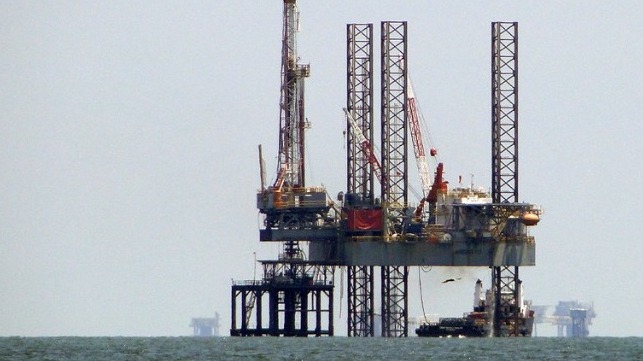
pixel 337 348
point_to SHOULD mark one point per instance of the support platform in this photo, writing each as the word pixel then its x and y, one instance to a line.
pixel 296 295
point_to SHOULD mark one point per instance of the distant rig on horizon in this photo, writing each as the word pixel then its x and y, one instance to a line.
pixel 571 318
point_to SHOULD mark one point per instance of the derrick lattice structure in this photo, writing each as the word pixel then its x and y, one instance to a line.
pixel 292 122
pixel 360 179
pixel 394 81
pixel 290 167
pixel 504 132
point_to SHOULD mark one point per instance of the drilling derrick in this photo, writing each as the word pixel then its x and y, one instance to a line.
pixel 289 189
pixel 292 121
pixel 295 288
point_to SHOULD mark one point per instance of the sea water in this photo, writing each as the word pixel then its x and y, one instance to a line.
pixel 334 348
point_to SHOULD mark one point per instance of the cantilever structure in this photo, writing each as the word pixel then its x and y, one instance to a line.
pixel 294 287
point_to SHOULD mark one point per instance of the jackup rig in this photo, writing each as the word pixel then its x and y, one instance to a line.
pixel 363 229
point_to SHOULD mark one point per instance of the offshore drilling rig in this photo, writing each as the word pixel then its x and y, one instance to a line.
pixel 362 230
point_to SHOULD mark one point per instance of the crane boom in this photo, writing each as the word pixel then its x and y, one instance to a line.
pixel 365 144
pixel 418 145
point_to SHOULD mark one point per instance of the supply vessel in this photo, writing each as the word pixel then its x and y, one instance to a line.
pixel 478 323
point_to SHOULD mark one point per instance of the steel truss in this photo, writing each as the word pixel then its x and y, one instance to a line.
pixel 504 115
pixel 359 46
pixel 504 109
pixel 506 313
pixel 361 302
pixel 394 170
pixel 360 104
pixel 394 115
pixel 395 301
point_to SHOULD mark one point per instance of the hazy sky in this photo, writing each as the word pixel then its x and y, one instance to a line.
pixel 129 132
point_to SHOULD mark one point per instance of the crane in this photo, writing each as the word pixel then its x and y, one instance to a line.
pixel 365 144
pixel 418 145
pixel 420 155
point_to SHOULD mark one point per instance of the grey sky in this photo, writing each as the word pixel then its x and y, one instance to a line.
pixel 129 132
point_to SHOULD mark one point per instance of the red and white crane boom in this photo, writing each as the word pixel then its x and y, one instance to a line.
pixel 418 145
pixel 365 144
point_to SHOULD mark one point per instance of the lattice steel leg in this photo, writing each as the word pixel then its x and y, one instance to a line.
pixel 395 301
pixel 360 301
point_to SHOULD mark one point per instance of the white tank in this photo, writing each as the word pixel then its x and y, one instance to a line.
pixel 477 294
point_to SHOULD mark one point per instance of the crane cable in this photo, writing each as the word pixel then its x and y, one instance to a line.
pixel 341 290
pixel 422 297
